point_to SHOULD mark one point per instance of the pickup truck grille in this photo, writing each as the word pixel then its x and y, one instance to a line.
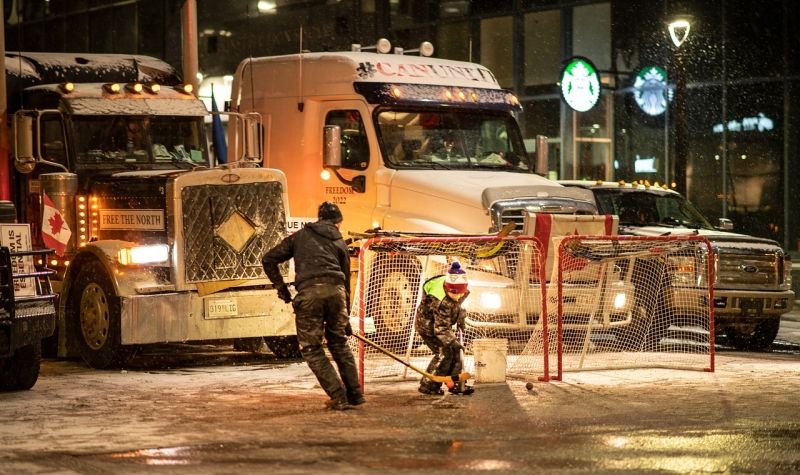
pixel 749 270
pixel 228 228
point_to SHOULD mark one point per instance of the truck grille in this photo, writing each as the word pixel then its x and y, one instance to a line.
pixel 514 210
pixel 228 228
pixel 751 271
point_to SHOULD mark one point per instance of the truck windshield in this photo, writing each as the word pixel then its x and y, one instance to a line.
pixel 641 208
pixel 452 140
pixel 177 141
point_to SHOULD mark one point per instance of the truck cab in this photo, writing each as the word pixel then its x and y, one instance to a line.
pixel 420 144
pixel 163 244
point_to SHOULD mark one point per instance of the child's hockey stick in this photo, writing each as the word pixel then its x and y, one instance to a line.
pixel 437 379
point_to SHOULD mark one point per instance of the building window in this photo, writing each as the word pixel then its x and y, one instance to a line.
pixel 591 34
pixel 542 47
pixel 496 48
pixel 454 41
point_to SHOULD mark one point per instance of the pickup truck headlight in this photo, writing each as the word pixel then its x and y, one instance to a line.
pixel 137 255
pixel 787 272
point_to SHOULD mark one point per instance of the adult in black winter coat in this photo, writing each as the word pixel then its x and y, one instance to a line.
pixel 322 280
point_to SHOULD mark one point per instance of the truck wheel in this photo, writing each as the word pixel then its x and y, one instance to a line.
pixel 393 303
pixel 94 317
pixel 284 347
pixel 759 339
pixel 20 371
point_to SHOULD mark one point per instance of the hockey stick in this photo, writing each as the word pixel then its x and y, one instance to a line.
pixel 489 251
pixel 432 377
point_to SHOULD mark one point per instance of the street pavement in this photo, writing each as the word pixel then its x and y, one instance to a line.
pixel 790 326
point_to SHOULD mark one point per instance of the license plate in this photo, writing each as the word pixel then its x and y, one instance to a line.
pixel 751 306
pixel 219 308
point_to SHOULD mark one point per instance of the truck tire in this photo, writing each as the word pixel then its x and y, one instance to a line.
pixel 759 339
pixel 393 303
pixel 284 347
pixel 94 319
pixel 20 371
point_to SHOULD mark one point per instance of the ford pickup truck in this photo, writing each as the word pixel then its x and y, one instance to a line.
pixel 752 287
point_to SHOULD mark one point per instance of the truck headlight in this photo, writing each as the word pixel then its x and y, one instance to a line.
pixel 153 254
pixel 491 300
pixel 619 300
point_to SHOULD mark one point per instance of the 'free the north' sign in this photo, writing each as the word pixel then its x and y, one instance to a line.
pixel 138 219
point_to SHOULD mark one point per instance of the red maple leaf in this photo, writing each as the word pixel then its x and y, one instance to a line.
pixel 56 223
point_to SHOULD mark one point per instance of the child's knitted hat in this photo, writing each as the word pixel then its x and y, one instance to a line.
pixel 456 279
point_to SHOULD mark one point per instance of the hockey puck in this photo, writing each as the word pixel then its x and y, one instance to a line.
pixel 529 386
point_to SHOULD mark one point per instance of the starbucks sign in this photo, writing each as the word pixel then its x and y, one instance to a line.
pixel 650 90
pixel 580 84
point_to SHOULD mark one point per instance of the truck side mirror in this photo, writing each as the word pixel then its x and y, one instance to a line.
pixel 24 156
pixel 252 138
pixel 332 146
pixel 725 224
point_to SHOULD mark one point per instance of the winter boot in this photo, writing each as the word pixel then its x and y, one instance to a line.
pixel 355 399
pixel 463 390
pixel 338 405
pixel 431 388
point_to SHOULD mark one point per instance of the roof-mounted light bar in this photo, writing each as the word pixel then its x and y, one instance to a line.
pixel 111 87
pixel 134 87
pixel 153 88
pixel 424 93
pixel 425 49
pixel 185 88
pixel 383 46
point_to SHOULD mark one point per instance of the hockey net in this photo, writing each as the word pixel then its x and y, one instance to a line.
pixel 506 297
pixel 652 309
pixel 610 302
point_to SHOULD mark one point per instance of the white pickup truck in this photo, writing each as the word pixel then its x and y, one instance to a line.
pixel 753 275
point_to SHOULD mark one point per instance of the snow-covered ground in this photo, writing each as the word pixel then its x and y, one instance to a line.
pixel 220 411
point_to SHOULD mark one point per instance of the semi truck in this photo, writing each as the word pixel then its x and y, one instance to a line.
pixel 165 244
pixel 403 143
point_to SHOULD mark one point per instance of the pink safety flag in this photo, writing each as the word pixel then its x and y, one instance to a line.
pixel 55 232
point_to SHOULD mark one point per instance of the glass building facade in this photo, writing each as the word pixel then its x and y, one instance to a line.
pixel 740 64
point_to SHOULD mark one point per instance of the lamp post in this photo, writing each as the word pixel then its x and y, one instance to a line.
pixel 679 29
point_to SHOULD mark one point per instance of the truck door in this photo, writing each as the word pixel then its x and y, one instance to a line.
pixel 360 156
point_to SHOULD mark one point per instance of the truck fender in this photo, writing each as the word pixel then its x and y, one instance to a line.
pixel 105 253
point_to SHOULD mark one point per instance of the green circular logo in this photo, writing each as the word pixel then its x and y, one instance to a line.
pixel 580 84
pixel 650 90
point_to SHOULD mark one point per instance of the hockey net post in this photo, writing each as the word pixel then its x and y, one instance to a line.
pixel 507 297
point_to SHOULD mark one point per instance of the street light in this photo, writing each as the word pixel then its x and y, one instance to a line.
pixel 679 29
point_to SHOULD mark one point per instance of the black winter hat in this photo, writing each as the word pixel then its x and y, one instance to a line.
pixel 328 210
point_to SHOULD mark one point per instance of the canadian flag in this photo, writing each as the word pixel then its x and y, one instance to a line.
pixel 55 232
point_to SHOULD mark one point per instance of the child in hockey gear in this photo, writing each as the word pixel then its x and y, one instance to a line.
pixel 439 310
